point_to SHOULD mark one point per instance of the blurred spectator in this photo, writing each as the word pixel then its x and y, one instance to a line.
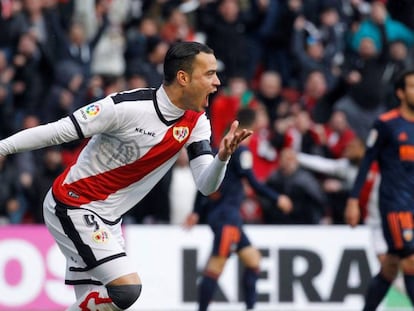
pixel 11 208
pixel 42 24
pixel 11 25
pixel 32 76
pixel 6 96
pixel 310 53
pixel 226 103
pixel 77 48
pixel 265 156
pixel 136 39
pixel 309 200
pixel 108 56
pixel 27 168
pixel 304 135
pixel 338 177
pixel 50 167
pixel 67 92
pixel 151 66
pixel 366 88
pixel 276 32
pixel 269 93
pixel 337 135
pixel 313 98
pixel 400 58
pixel 224 25
pixel 176 27
pixel 332 33
pixel 371 28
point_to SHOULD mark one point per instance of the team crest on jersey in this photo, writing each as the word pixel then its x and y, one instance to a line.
pixel 180 133
pixel 408 235
pixel 100 236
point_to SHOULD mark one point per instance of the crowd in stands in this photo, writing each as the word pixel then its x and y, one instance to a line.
pixel 316 72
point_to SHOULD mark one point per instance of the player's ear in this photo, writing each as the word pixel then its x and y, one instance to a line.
pixel 183 78
pixel 399 93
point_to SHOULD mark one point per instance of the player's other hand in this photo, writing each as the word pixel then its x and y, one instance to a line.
pixel 284 203
pixel 231 141
pixel 191 220
pixel 352 212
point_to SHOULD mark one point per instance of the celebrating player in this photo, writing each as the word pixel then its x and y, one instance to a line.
pixel 135 138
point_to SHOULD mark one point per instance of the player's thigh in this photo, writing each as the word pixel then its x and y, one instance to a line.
pixel 250 256
pixel 94 249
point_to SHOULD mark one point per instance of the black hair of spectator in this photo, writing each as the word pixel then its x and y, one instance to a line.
pixel 180 56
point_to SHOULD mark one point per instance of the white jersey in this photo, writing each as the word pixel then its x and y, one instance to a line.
pixel 135 139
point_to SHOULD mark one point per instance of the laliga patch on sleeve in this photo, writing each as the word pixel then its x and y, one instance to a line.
pixel 246 160
pixel 90 111
pixel 372 138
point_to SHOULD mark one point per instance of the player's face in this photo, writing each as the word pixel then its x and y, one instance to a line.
pixel 203 82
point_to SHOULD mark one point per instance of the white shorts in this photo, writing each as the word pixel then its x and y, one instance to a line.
pixel 94 248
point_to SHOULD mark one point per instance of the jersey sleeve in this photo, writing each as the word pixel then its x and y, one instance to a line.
pixel 202 131
pixel 376 139
pixel 97 117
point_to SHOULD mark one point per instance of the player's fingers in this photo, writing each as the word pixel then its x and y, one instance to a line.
pixel 233 127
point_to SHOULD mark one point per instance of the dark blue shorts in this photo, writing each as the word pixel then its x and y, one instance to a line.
pixel 399 233
pixel 228 239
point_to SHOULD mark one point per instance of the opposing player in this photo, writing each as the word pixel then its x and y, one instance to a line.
pixel 135 137
pixel 223 215
pixel 391 143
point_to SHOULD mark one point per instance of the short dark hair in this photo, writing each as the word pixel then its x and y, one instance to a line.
pixel 180 56
pixel 400 81
pixel 246 117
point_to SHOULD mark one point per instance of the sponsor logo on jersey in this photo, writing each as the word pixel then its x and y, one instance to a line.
pixel 92 110
pixel 180 133
pixel 407 153
pixel 100 236
pixel 144 132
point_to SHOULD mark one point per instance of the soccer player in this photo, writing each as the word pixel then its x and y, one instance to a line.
pixel 223 215
pixel 391 143
pixel 135 138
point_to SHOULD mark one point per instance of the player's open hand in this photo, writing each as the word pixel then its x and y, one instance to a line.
pixel 352 212
pixel 231 141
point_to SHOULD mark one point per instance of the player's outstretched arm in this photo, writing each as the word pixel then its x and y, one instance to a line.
pixel 231 141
